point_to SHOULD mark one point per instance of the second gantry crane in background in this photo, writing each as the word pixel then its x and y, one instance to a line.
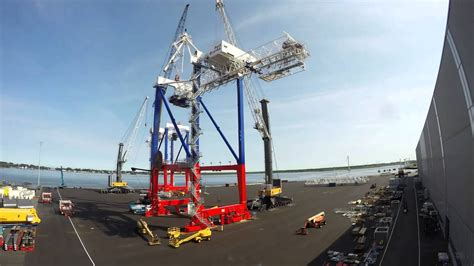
pixel 125 146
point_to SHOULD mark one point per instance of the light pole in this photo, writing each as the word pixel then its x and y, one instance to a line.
pixel 39 164
pixel 348 164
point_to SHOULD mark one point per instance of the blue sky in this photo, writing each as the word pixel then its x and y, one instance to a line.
pixel 73 74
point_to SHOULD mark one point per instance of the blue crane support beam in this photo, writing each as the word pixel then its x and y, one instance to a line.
pixel 156 124
pixel 219 130
pixel 181 147
pixel 165 135
pixel 175 125
pixel 240 115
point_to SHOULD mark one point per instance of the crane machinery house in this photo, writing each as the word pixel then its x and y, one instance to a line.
pixel 224 54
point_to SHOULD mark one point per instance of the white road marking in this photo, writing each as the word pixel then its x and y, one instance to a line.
pixel 80 240
pixel 393 229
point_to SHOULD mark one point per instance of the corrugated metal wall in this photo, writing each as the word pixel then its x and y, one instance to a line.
pixel 445 151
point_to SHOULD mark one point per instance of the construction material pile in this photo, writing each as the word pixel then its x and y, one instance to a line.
pixel 337 181
pixel 347 258
pixel 16 193
pixel 371 218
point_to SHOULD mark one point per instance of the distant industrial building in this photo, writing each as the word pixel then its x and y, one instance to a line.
pixel 445 151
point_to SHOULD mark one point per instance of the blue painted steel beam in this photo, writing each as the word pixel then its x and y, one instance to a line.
pixel 187 142
pixel 181 147
pixel 161 141
pixel 180 136
pixel 171 150
pixel 219 130
pixel 165 135
pixel 240 115
pixel 155 136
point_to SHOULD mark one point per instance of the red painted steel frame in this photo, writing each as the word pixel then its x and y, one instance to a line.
pixel 227 214
pixel 158 206
pixel 171 169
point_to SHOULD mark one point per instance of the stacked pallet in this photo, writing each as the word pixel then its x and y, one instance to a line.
pixel 16 193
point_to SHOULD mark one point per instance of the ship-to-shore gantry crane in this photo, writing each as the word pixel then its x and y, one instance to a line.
pixel 225 63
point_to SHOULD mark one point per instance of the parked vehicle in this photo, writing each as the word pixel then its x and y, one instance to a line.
pixel 46 197
pixel 66 207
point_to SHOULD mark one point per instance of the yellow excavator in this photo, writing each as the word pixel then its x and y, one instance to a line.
pixel 16 216
pixel 144 230
pixel 174 234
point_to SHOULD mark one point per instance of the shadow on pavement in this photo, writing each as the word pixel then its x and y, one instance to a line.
pixel 342 244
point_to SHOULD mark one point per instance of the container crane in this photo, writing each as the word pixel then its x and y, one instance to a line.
pixel 125 146
pixel 223 64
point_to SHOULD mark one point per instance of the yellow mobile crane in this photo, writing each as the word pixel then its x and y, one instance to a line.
pixel 120 186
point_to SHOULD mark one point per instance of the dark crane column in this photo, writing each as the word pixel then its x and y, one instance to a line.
pixel 267 144
pixel 119 163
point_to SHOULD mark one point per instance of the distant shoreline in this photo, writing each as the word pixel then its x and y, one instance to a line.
pixel 87 170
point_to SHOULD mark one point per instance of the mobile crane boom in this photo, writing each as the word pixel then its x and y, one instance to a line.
pixel 124 149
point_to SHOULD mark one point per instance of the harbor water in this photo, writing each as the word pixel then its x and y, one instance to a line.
pixel 99 180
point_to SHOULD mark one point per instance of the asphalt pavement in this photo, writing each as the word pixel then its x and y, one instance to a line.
pixel 108 230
